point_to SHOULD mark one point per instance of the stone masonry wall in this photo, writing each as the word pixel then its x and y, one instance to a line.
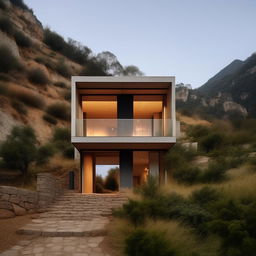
pixel 17 201
pixel 48 188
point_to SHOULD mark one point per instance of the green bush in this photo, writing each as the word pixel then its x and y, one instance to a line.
pixel 150 189
pixel 198 131
pixel 147 243
pixel 37 76
pixel 61 134
pixel 20 4
pixel 54 40
pixel 3 89
pixel 60 84
pixel 205 196
pixel 6 25
pixel 63 69
pixel 93 68
pixel 68 152
pixel 50 119
pixel 46 61
pixel 111 181
pixel 22 40
pixel 215 172
pixel 19 149
pixel 8 61
pixel 19 107
pixel 3 5
pixel 211 142
pixel 67 95
pixel 44 153
pixel 187 174
pixel 29 98
pixel 59 110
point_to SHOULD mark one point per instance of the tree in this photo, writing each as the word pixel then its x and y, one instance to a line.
pixel 132 71
pixel 19 149
pixel 111 181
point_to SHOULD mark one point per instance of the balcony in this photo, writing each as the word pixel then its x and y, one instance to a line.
pixel 123 128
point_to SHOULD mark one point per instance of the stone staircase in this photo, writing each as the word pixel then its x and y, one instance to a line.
pixel 75 214
pixel 76 206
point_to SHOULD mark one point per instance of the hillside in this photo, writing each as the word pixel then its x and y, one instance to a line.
pixel 229 94
pixel 35 70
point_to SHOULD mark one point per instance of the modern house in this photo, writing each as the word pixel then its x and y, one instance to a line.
pixel 123 121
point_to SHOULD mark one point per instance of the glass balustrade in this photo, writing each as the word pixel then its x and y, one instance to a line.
pixel 122 127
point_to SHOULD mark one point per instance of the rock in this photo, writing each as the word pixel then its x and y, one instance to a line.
pixel 4 214
pixel 5 205
pixel 233 106
pixel 18 210
pixel 182 94
pixel 10 43
pixel 8 190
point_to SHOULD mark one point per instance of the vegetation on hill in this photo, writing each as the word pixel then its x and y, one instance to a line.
pixel 214 204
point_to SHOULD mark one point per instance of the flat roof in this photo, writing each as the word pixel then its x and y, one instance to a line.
pixel 156 82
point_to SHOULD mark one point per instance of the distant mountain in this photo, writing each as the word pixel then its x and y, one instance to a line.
pixel 230 93
pixel 229 70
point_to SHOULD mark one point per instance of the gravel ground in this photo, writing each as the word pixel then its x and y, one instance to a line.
pixel 8 227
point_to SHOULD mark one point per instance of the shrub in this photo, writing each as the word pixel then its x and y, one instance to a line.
pixel 22 40
pixel 3 89
pixel 211 141
pixel 93 68
pixel 186 174
pixel 19 107
pixel 5 77
pixel 54 40
pixel 68 152
pixel 63 69
pixel 111 181
pixel 204 196
pixel 3 5
pixel 45 61
pixel 29 98
pixel 150 189
pixel 19 150
pixel 147 243
pixel 216 172
pixel 20 4
pixel 50 119
pixel 61 134
pixel 67 95
pixel 6 25
pixel 44 153
pixel 8 60
pixel 60 84
pixel 59 110
pixel 198 131
pixel 37 76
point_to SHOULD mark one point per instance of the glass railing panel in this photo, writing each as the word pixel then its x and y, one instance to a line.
pixel 121 127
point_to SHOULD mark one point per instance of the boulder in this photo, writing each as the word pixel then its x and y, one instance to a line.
pixel 18 210
pixel 4 214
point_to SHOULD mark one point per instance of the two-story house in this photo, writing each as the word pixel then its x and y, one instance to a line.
pixel 124 121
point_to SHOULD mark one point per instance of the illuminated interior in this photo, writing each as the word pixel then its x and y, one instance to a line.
pixel 100 116
pixel 140 167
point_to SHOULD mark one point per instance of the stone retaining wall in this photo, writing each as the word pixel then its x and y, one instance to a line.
pixel 17 201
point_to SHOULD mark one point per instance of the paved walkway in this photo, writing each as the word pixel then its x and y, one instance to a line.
pixel 74 226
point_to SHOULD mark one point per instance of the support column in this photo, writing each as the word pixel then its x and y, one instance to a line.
pixel 87 173
pixel 126 166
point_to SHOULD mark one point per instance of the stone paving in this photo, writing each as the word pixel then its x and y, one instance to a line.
pixel 63 246
pixel 74 225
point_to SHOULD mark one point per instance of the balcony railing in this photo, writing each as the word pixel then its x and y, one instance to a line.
pixel 122 127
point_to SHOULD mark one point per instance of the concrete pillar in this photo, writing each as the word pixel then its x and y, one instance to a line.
pixel 126 166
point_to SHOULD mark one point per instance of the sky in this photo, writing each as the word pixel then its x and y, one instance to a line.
pixel 189 39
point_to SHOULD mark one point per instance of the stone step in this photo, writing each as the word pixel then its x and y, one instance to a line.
pixel 65 228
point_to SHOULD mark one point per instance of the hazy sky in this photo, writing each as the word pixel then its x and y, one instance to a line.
pixel 190 39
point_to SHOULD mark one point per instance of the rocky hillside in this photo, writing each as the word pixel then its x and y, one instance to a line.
pixel 35 69
pixel 229 94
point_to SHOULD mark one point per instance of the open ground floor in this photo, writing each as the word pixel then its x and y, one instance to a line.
pixel 107 171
